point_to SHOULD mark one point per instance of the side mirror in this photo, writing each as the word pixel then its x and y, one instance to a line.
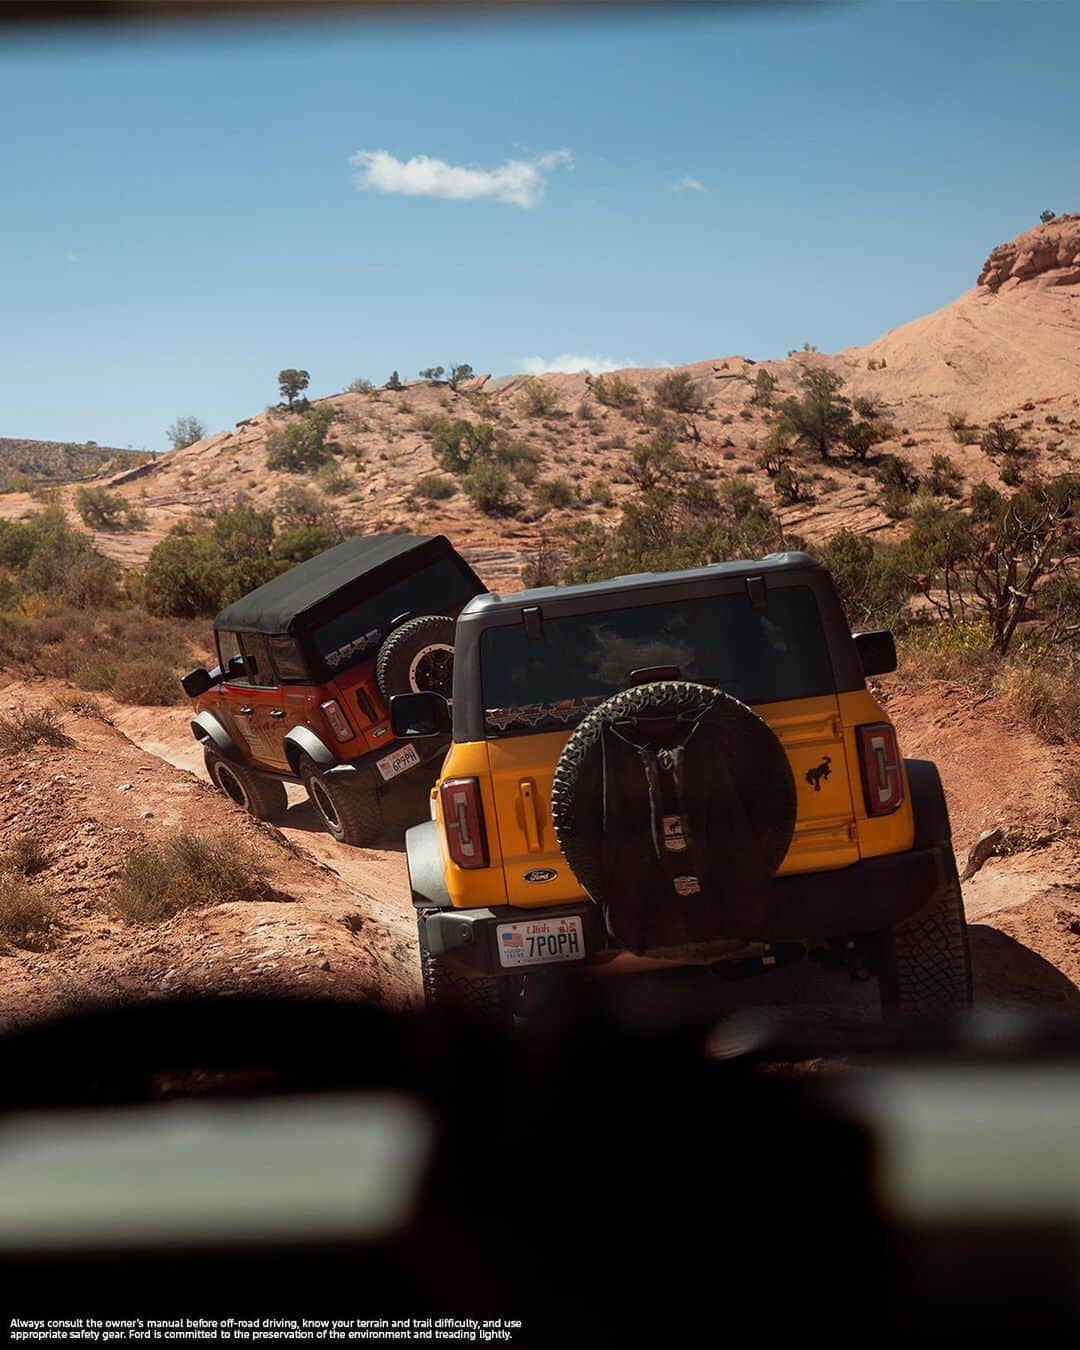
pixel 877 651
pixel 235 669
pixel 197 682
pixel 416 715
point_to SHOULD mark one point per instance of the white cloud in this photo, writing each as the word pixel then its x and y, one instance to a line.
pixel 518 182
pixel 571 365
pixel 71 257
pixel 688 184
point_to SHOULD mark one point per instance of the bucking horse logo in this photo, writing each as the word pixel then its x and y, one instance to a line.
pixel 820 771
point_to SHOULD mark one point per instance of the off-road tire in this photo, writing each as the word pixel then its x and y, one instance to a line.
pixel 481 998
pixel 926 969
pixel 417 657
pixel 347 804
pixel 264 798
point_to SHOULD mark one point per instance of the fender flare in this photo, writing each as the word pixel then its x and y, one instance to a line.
pixel 928 804
pixel 301 741
pixel 206 729
pixel 423 856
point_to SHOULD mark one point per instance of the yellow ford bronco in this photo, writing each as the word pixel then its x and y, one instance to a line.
pixel 683 767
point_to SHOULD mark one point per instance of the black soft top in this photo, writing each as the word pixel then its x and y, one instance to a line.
pixel 272 608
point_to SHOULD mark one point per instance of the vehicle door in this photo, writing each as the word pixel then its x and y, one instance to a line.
pixel 262 711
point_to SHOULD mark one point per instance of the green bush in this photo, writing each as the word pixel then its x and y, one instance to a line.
pixel 434 487
pixel 871 578
pixel 185 576
pixel 600 492
pixel 300 447
pixel 614 391
pixel 456 443
pixel 998 439
pixel 185 431
pixel 557 492
pixel 945 478
pixel 150 682
pixel 185 872
pixel 679 392
pixel 492 489
pixel 537 399
pixel 100 509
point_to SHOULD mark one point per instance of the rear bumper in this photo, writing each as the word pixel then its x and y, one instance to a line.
pixel 865 898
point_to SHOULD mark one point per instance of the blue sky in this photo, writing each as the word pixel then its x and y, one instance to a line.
pixel 184 212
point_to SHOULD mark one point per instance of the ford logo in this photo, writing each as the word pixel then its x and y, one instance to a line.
pixel 541 874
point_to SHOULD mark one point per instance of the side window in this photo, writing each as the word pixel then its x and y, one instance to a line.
pixel 229 650
pixel 287 660
pixel 257 663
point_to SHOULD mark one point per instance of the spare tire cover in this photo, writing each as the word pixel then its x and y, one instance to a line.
pixel 674 804
pixel 418 656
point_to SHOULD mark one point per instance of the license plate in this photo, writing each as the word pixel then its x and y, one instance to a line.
pixel 397 761
pixel 536 942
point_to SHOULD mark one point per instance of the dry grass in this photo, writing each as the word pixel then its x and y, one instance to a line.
pixel 188 872
pixel 1047 698
pixel 27 855
pixel 23 730
pixel 149 682
pixel 1071 783
pixel 26 912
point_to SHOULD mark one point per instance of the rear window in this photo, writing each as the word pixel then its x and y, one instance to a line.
pixel 758 656
pixel 439 588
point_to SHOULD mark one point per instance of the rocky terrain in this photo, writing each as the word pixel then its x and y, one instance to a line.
pixel 339 920
pixel 53 460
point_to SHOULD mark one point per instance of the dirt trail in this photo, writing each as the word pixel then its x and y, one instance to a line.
pixel 327 924
pixel 1024 908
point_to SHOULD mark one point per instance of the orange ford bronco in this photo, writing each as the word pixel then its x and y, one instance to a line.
pixel 306 665
pixel 684 767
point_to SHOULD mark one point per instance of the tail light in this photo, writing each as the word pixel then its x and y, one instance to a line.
pixel 883 779
pixel 339 723
pixel 463 816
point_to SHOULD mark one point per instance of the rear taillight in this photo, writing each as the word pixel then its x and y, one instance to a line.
pixel 883 780
pixel 463 816
pixel 338 722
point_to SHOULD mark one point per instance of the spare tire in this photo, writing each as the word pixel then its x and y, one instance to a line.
pixel 418 656
pixel 674 804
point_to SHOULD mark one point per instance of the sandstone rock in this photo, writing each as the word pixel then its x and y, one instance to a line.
pixel 1048 255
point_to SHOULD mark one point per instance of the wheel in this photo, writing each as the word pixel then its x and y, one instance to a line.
pixel 927 959
pixel 418 656
pixel 483 998
pixel 348 805
pixel 673 805
pixel 264 798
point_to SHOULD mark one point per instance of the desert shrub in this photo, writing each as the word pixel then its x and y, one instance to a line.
pixel 26 854
pixel 871 578
pixel 26 912
pixel 614 391
pixel 360 386
pixel 100 509
pixel 1010 472
pixel 185 872
pixel 1070 781
pixel 184 576
pixel 819 419
pixel 97 673
pixel 456 443
pixel 1046 697
pixel 492 489
pixel 434 487
pixel 304 542
pixel 679 392
pixel 543 566
pixel 394 382
pixel 522 460
pixel 869 406
pixel 22 730
pixel 47 558
pixel 600 492
pixel 333 480
pixel 185 431
pixel 789 487
pixel 998 439
pixel 300 447
pixel 945 478
pixel 556 492
pixel 149 682
pixel 537 399
pixel 764 387
pixel 899 481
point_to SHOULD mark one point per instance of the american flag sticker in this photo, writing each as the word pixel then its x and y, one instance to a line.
pixel 513 940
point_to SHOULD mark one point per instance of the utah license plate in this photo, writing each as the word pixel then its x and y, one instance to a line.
pixel 397 761
pixel 535 942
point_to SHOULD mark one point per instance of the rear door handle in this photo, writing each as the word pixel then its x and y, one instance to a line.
pixel 244 712
pixel 277 712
